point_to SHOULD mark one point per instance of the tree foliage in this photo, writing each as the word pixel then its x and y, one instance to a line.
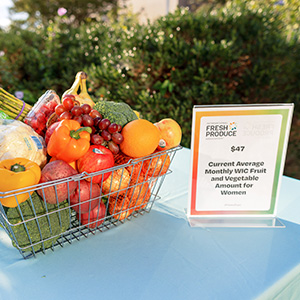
pixel 78 11
pixel 243 52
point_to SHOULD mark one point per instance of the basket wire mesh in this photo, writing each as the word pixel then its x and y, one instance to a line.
pixel 36 226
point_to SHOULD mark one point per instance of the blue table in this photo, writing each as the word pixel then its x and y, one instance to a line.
pixel 159 256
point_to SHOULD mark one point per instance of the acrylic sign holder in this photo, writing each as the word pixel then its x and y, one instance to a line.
pixel 237 161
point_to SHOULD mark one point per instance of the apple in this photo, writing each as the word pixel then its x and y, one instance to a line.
pixel 96 216
pixel 170 132
pixel 96 159
pixel 57 169
pixel 87 194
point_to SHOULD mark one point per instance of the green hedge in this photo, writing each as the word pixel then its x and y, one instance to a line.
pixel 235 54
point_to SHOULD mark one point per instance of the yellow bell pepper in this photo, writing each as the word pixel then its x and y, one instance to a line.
pixel 15 174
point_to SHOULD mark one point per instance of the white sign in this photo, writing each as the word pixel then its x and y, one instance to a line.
pixel 238 155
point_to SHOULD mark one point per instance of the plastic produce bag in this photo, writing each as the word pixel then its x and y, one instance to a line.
pixel 19 140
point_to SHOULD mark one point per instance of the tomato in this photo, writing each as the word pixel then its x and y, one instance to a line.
pixel 94 218
pixel 96 159
pixel 51 105
pixel 44 109
pixel 34 124
pixel 41 118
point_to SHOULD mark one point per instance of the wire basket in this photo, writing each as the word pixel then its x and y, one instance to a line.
pixel 36 226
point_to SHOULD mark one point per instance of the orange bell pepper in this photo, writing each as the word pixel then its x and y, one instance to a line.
pixel 69 141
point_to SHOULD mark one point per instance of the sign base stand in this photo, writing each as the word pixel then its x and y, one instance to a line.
pixel 248 222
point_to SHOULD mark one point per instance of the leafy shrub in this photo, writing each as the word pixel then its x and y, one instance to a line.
pixel 236 54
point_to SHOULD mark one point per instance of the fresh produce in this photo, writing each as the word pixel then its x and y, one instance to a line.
pixel 3 115
pixel 83 91
pixel 38 116
pixel 49 131
pixel 83 96
pixel 135 170
pixel 73 90
pixel 68 102
pixel 117 182
pixel 15 174
pixel 94 218
pixel 86 196
pixel 104 132
pixel 86 138
pixel 107 134
pixel 72 164
pixel 59 192
pixel 135 195
pixel 20 140
pixel 156 166
pixel 116 112
pixel 138 195
pixel 38 220
pixel 170 134
pixel 13 107
pixel 83 113
pixel 96 159
pixel 118 207
pixel 69 141
pixel 141 138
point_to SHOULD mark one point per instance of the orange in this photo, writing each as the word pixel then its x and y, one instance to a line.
pixel 141 138
pixel 156 166
pixel 117 182
pixel 118 207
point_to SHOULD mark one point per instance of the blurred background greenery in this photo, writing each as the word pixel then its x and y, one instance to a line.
pixel 207 52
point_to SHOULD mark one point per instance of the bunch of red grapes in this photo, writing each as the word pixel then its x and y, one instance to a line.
pixel 103 131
